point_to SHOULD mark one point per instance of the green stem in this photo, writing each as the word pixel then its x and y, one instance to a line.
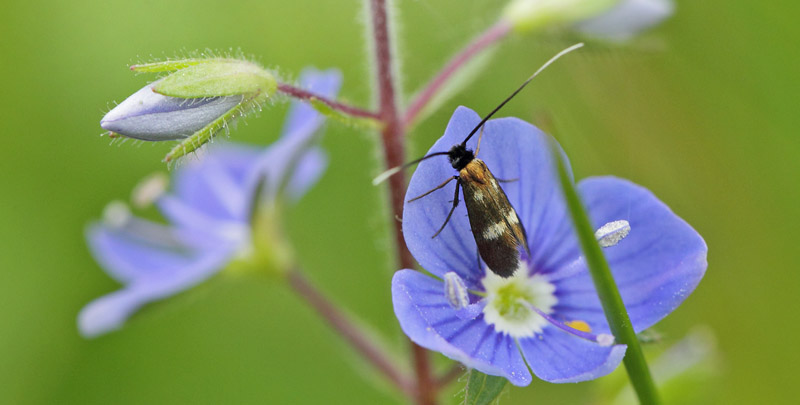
pixel 617 316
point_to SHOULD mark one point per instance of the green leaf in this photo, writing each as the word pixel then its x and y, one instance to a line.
pixel 611 300
pixel 349 120
pixel 215 78
pixel 483 389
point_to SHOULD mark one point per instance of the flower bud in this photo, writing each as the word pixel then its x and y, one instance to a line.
pixel 197 99
pixel 150 116
pixel 607 19
pixel 527 15
pixel 626 19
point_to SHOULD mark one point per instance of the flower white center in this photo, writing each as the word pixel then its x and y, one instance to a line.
pixel 509 302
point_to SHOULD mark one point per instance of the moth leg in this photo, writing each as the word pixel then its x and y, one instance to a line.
pixel 450 214
pixel 507 180
pixel 434 189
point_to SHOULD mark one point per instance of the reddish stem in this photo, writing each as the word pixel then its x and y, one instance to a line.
pixel 349 331
pixel 303 94
pixel 394 155
pixel 495 33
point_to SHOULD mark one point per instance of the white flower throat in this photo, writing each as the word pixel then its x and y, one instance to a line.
pixel 509 302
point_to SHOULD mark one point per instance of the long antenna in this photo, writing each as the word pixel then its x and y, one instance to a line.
pixel 546 64
pixel 391 172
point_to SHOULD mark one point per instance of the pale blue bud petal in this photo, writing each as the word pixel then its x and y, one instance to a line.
pixel 150 116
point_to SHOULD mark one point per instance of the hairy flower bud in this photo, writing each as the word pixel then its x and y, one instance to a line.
pixel 527 15
pixel 197 99
pixel 606 19
pixel 150 116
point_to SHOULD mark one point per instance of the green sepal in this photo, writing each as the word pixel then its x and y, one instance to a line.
pixel 349 120
pixel 169 65
pixel 201 137
pixel 218 78
pixel 483 389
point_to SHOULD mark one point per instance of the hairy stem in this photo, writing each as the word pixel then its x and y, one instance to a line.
pixel 351 333
pixel 394 155
pixel 303 94
pixel 489 37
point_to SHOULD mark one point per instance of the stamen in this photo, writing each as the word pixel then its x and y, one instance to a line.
pixel 116 214
pixel 149 189
pixel 602 339
pixel 455 291
pixel 611 233
pixel 579 325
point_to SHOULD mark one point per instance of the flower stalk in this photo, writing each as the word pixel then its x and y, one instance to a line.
pixel 610 298
pixel 303 94
pixel 349 331
pixel 394 155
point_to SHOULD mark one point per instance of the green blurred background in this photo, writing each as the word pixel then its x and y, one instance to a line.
pixel 703 111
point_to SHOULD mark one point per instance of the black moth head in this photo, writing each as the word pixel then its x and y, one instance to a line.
pixel 460 156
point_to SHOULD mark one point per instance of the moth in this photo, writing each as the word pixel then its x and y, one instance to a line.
pixel 496 227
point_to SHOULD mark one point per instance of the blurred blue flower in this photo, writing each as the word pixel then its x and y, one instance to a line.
pixel 547 314
pixel 209 211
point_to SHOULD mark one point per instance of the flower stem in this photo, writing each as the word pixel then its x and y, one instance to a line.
pixel 303 94
pixel 394 155
pixel 489 37
pixel 614 308
pixel 351 333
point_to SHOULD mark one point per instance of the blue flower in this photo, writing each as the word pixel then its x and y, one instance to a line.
pixel 547 314
pixel 209 211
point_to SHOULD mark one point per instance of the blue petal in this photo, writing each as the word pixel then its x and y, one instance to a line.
pixel 513 150
pixel 516 150
pixel 144 248
pixel 308 171
pixel 279 162
pixel 559 357
pixel 215 185
pixel 656 266
pixel 427 318
pixel 150 271
pixel 454 248
pixel 302 117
